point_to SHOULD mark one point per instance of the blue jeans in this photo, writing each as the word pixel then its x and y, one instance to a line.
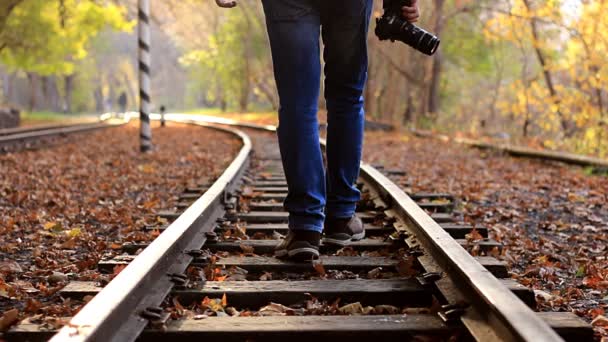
pixel 294 28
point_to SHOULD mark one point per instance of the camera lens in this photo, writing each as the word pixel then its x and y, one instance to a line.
pixel 418 38
pixel 429 44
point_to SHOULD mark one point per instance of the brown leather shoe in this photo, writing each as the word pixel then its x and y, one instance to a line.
pixel 342 231
pixel 299 245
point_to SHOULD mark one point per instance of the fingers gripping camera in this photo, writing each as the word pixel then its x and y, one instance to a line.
pixel 225 3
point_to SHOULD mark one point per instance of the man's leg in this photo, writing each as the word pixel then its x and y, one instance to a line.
pixel 345 25
pixel 294 29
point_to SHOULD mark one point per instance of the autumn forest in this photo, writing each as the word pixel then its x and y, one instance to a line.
pixel 522 70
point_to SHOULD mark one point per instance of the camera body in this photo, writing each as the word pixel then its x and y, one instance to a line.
pixel 392 26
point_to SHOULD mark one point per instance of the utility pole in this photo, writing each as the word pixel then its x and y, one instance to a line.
pixel 143 15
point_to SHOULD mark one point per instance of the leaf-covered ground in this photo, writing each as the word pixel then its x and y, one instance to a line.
pixel 62 208
pixel 552 218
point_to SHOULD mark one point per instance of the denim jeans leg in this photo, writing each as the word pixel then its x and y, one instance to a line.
pixel 294 30
pixel 345 26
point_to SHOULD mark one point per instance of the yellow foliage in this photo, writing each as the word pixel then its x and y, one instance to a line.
pixel 575 51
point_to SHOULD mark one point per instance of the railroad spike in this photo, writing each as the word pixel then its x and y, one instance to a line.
pixel 152 313
pixel 161 322
pixel 451 313
pixel 211 237
pixel 429 278
pixel 180 280
pixel 195 253
pixel 415 252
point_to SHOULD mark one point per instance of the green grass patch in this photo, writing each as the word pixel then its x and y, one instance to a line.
pixel 47 118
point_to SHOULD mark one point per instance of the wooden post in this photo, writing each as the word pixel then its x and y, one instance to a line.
pixel 144 74
pixel 162 116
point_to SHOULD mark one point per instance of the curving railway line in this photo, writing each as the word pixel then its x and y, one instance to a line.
pixel 13 139
pixel 413 277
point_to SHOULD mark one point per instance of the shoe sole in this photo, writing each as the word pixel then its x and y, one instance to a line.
pixel 343 243
pixel 305 253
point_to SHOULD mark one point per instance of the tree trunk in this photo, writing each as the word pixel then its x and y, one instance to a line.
pixel 546 73
pixel 433 104
pixel 68 90
pixel 33 90
pixel 7 87
pixel 98 96
pixel 130 91
pixel 111 100
pixel 50 93
pixel 5 11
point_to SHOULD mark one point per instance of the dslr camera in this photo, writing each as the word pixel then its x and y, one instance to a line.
pixel 393 26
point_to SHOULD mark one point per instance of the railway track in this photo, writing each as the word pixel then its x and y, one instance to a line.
pixel 210 274
pixel 38 136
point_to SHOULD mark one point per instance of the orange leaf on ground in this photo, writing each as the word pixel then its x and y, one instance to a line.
pixel 8 318
pixel 319 268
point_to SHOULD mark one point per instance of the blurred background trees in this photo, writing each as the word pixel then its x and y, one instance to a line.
pixel 528 70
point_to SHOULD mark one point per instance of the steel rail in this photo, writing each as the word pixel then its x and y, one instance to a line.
pixel 511 319
pixel 519 151
pixel 25 136
pixel 492 303
pixel 26 129
pixel 114 313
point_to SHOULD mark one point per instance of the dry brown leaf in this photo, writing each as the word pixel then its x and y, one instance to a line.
pixel 319 268
pixel 246 249
pixel 405 267
pixel 8 318
pixel 117 269
pixel 9 266
pixel 600 321
pixel 70 244
pixel 266 276
pixel 274 309
pixel 474 235
pixel 351 309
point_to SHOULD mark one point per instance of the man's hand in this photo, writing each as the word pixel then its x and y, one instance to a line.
pixel 226 3
pixel 411 13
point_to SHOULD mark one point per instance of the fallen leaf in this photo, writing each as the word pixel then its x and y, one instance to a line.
pixel 246 249
pixel 53 226
pixel 74 232
pixel 266 276
pixel 351 309
pixel 146 168
pixel 375 273
pixel 274 309
pixel 214 304
pixel 9 266
pixel 386 310
pixel 117 269
pixel 8 318
pixel 151 204
pixel 474 235
pixel 600 321
pixel 70 244
pixel 57 277
pixel 179 308
pixel 318 266
pixel 405 267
